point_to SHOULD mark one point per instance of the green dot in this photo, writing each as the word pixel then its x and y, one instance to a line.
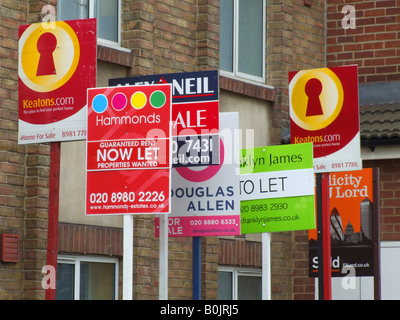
pixel 158 99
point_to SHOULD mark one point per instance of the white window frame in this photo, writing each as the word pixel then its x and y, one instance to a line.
pixel 236 73
pixel 236 273
pixel 76 261
pixel 104 42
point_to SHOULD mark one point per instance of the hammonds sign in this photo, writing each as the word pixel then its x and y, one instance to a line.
pixel 128 150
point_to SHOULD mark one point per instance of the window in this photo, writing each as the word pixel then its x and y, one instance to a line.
pixel 239 284
pixel 242 39
pixel 107 13
pixel 86 278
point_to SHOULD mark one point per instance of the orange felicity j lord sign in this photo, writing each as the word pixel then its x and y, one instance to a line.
pixel 56 65
pixel 324 110
pixel 351 219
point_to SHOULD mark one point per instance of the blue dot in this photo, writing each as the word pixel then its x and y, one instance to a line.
pixel 100 103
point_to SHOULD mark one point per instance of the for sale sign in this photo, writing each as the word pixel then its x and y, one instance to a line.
pixel 128 150
pixel 205 199
pixel 352 224
pixel 55 68
pixel 324 110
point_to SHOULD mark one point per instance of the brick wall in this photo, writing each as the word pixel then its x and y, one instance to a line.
pixel 295 41
pixel 389 198
pixel 374 45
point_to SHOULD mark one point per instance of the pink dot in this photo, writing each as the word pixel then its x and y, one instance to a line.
pixel 119 101
pixel 205 174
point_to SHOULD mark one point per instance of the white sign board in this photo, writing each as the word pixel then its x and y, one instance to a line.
pixel 277 184
pixel 205 200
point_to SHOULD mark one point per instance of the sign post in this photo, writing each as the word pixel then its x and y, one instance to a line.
pixel 55 67
pixel 324 110
pixel 266 265
pixel 128 162
pixel 127 272
pixel 163 265
pixel 353 222
pixel 195 141
pixel 324 237
pixel 206 198
pixel 196 261
pixel 277 194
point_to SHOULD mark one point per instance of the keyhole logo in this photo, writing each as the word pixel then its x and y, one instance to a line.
pixel 46 45
pixel 48 58
pixel 313 91
pixel 316 98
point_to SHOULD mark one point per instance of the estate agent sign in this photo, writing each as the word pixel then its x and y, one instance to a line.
pixel 324 110
pixel 55 68
pixel 128 150
pixel 277 188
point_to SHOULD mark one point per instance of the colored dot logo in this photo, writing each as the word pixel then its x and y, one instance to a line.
pixel 119 101
pixel 138 100
pixel 158 99
pixel 100 103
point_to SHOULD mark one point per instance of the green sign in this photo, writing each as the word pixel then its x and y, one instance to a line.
pixel 277 189
pixel 277 158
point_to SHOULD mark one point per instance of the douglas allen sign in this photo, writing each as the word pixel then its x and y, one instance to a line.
pixel 205 200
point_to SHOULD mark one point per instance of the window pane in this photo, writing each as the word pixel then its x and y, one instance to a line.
pixel 73 9
pixel 251 37
pixel 97 281
pixel 107 16
pixel 226 35
pixel 224 285
pixel 249 288
pixel 65 281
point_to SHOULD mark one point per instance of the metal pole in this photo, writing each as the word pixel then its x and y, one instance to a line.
pixel 324 237
pixel 196 268
pixel 326 220
pixel 319 237
pixel 52 231
pixel 266 266
pixel 376 235
pixel 163 265
pixel 128 258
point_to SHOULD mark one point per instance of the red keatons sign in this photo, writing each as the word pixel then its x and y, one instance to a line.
pixel 55 68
